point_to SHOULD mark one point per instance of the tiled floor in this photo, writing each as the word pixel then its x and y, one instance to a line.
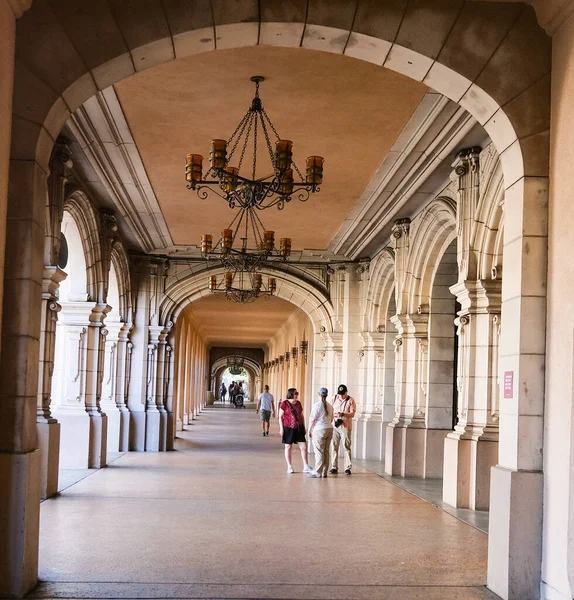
pixel 429 490
pixel 220 518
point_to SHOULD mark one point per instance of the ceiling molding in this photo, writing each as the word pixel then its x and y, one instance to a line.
pixel 100 128
pixel 435 131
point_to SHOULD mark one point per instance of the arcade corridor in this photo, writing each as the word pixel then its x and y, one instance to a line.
pixel 211 520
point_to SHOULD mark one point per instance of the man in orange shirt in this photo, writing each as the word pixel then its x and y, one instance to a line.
pixel 344 408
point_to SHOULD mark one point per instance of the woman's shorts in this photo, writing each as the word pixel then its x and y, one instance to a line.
pixel 265 415
pixel 294 436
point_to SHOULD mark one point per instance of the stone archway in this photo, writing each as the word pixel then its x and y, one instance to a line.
pixel 501 81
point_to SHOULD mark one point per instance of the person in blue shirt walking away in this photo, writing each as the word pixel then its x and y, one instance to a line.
pixel 265 405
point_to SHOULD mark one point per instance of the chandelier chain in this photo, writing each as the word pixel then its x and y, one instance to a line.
pixel 255 146
pixel 264 114
pixel 247 135
pixel 266 134
pixel 242 125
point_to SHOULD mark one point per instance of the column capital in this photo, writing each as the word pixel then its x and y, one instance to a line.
pixel 411 324
pixel 401 228
pixel 466 161
pixel 51 279
pixel 479 296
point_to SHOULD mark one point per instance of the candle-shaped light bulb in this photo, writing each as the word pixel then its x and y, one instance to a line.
pixel 193 169
pixel 206 243
pixel 230 178
pixel 226 240
pixel 213 283
pixel 287 182
pixel 283 154
pixel 228 281
pixel 285 247
pixel 314 170
pixel 272 285
pixel 257 281
pixel 218 155
pixel 268 240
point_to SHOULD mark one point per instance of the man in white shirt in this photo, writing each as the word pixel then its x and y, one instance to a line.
pixel 265 405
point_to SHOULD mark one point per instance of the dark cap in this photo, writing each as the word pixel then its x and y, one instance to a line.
pixel 342 389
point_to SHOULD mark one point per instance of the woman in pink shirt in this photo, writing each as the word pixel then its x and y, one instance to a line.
pixel 292 428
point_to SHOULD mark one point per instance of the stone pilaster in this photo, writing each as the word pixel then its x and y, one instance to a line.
pixel 156 397
pixel 84 425
pixel 369 428
pixel 405 438
pixel 466 172
pixel 149 283
pixel 47 426
pixel 115 385
pixel 472 448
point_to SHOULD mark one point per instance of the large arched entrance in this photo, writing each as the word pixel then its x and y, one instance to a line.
pixel 492 87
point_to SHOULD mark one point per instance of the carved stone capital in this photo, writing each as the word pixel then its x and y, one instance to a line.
pixel 401 228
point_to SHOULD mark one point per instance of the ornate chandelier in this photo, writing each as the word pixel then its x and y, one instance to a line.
pixel 239 190
pixel 242 283
pixel 243 287
pixel 247 227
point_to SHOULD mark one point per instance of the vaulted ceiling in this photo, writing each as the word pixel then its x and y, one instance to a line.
pixel 230 324
pixel 349 111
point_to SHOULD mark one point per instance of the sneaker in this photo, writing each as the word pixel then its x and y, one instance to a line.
pixel 333 471
pixel 290 469
pixel 347 471
pixel 313 475
pixel 307 469
pixel 324 476
pixel 264 434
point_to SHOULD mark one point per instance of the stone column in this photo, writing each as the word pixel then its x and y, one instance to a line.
pixel 369 435
pixel 20 461
pixel 115 385
pixel 405 444
pixel 405 451
pixel 47 426
pixel 169 373
pixel 156 421
pixel 516 485
pixel 472 448
pixel 149 282
pixel 84 425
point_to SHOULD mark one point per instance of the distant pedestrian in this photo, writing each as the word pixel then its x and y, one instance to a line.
pixel 321 433
pixel 344 408
pixel 292 429
pixel 265 405
pixel 222 392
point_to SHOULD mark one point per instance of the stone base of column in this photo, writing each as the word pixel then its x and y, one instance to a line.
pixel 118 428
pixel 49 445
pixel 19 523
pixel 466 478
pixel 515 534
pixel 170 431
pixel 137 430
pixel 179 425
pixel 368 437
pixel 414 452
pixel 394 441
pixel 83 439
pixel 156 425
